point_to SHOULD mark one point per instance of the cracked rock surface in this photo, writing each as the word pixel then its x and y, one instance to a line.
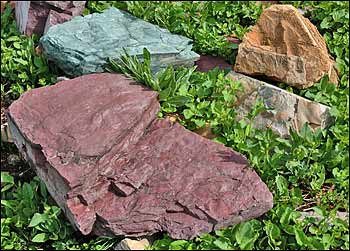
pixel 82 45
pixel 285 110
pixel 116 169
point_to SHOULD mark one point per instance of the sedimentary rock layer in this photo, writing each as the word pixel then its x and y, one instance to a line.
pixel 285 110
pixel 115 169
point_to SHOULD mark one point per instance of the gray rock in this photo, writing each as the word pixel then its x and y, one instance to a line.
pixel 83 45
pixel 285 110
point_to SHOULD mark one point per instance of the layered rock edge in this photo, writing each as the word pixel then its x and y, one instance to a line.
pixel 115 169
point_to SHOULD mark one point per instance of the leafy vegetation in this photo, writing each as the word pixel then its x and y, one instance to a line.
pixel 302 171
pixel 21 68
pixel 307 172
pixel 31 220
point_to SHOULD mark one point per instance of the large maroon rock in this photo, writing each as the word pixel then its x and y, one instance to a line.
pixel 115 169
pixel 36 17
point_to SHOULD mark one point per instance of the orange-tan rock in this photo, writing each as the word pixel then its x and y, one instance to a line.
pixel 285 46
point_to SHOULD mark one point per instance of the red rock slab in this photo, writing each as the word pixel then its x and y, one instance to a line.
pixel 115 169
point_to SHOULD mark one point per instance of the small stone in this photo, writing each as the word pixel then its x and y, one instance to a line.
pixel 284 46
pixel 286 110
pixel 129 244
pixel 61 78
pixel 13 159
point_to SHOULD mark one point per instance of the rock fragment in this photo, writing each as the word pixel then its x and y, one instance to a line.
pixel 285 46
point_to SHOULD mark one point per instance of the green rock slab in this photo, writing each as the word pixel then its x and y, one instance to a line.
pixel 83 45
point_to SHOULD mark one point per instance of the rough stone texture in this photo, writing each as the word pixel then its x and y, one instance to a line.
pixel 207 63
pixel 115 169
pixel 286 47
pixel 286 110
pixel 36 17
pixel 129 244
pixel 83 45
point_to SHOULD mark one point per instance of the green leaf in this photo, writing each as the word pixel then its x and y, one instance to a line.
pixel 178 101
pixel 42 237
pixel 178 245
pixel 27 192
pixel 43 190
pixel 286 216
pixel 188 113
pixel 300 236
pixel 245 235
pixel 282 184
pixel 37 219
pixel 7 178
pixel 222 243
pixel 38 62
pixel 272 231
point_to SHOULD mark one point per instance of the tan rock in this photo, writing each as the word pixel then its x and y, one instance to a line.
pixel 285 110
pixel 129 244
pixel 286 47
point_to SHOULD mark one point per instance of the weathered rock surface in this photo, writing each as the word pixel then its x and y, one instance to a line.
pixel 83 45
pixel 285 110
pixel 36 17
pixel 115 169
pixel 286 47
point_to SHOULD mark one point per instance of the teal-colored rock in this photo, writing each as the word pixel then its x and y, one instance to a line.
pixel 83 45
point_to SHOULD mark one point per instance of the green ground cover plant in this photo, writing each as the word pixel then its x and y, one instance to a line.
pixel 308 171
pixel 295 169
pixel 21 68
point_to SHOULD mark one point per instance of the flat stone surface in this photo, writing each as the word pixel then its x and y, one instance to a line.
pixel 286 110
pixel 115 169
pixel 83 45
pixel 286 47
